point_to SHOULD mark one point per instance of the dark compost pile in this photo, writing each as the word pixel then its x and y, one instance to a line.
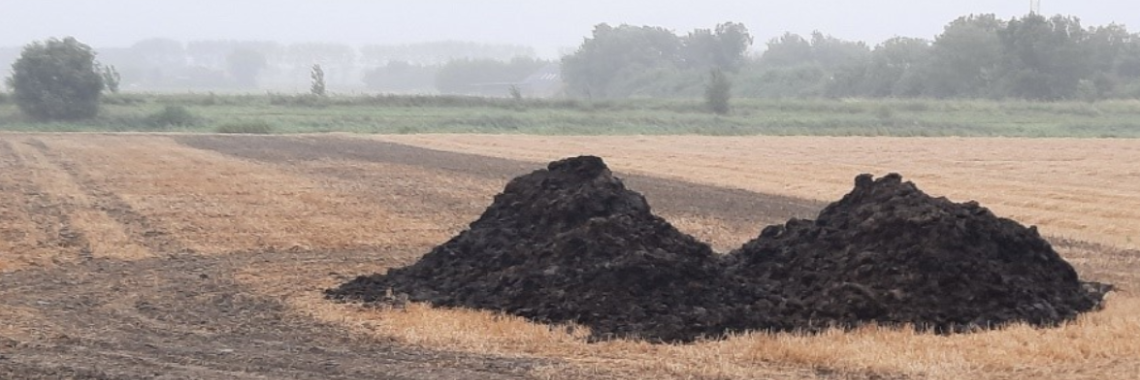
pixel 571 244
pixel 891 254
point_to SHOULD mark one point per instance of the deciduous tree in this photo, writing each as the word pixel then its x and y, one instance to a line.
pixel 57 80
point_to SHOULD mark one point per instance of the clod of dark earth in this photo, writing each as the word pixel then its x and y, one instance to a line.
pixel 570 244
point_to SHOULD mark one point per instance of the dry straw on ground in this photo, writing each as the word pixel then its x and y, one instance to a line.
pixel 386 214
pixel 1098 344
pixel 1075 188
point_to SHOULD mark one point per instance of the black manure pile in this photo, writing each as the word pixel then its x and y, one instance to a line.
pixel 571 244
pixel 891 254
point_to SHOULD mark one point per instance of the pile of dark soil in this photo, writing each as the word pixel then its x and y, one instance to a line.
pixel 890 254
pixel 571 244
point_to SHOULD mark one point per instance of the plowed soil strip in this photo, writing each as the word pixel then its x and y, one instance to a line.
pixel 140 229
pixel 676 199
pixel 18 234
pixel 255 313
pixel 103 237
pixel 1077 188
pixel 53 239
pixel 724 217
pixel 215 204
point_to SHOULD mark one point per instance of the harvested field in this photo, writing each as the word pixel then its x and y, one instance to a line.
pixel 1081 189
pixel 199 256
pixel 569 243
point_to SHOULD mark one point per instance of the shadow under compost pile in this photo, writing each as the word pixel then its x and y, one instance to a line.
pixel 571 244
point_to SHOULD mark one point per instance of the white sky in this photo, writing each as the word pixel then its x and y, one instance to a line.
pixel 548 26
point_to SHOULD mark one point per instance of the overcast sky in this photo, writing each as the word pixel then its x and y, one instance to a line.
pixel 549 26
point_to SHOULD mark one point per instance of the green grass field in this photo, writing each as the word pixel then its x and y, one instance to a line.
pixel 421 114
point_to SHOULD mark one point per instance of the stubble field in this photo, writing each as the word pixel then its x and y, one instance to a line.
pixel 204 256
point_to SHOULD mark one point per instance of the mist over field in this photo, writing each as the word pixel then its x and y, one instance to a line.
pixel 294 189
pixel 366 46
pixel 548 27
pixel 722 57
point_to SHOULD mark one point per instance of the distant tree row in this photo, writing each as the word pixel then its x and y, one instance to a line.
pixel 630 60
pixel 1032 57
pixel 490 77
pixel 978 56
pixel 159 63
pixel 441 52
pixel 61 79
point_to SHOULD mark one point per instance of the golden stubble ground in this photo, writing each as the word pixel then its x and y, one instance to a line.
pixel 1082 189
pixel 120 193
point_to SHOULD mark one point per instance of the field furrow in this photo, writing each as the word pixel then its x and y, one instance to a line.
pixel 213 204
pixel 205 256
pixel 37 225
pixel 91 212
pixel 467 182
pixel 1075 188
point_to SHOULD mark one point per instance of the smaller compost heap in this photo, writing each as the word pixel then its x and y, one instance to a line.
pixel 890 254
pixel 571 244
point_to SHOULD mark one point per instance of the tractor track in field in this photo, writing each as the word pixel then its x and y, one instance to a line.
pixel 179 315
pixel 185 316
pixel 136 225
pixel 48 213
pixel 734 206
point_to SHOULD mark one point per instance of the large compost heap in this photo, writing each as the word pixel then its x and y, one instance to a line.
pixel 570 244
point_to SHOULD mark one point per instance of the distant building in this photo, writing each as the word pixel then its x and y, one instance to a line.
pixel 544 83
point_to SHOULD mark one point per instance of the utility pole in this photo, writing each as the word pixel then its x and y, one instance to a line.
pixel 1035 7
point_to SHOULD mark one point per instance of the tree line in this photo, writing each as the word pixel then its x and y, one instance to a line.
pixel 977 56
pixel 64 79
pixel 479 76
pixel 167 64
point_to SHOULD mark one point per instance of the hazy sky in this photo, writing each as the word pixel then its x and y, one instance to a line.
pixel 549 26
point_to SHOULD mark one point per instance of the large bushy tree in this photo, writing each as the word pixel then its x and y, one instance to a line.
pixel 632 60
pixel 614 52
pixel 57 80
pixel 723 48
pixel 977 56
pixel 964 59
pixel 893 68
pixel 1043 58
pixel 787 50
